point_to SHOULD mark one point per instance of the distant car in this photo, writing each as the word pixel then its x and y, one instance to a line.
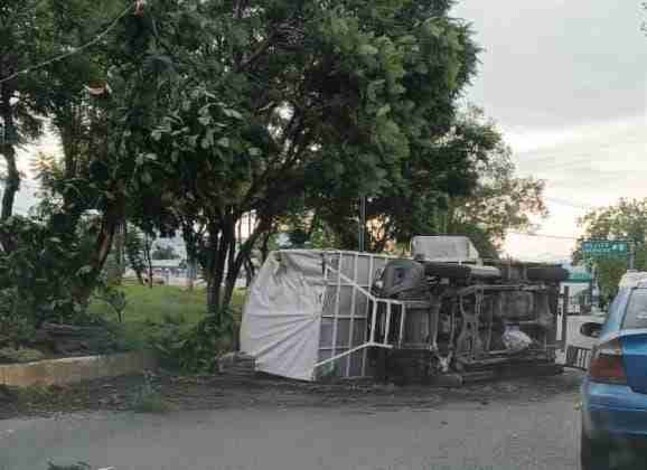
pixel 614 392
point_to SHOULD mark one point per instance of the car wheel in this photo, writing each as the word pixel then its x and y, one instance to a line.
pixel 594 455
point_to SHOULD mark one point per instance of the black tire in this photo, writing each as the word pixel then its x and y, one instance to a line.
pixel 447 270
pixel 594 455
pixel 547 274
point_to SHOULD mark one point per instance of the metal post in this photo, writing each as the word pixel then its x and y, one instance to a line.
pixel 387 325
pixel 374 321
pixel 403 318
pixel 336 314
pixel 632 255
pixel 565 303
pixel 351 326
pixel 362 224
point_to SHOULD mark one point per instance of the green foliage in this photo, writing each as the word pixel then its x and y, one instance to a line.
pixel 149 400
pixel 245 112
pixel 39 278
pixel 626 220
pixel 135 252
pixel 113 297
pixel 192 348
pixel 19 355
pixel 500 201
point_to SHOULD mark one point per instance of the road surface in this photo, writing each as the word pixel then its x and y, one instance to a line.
pixel 533 426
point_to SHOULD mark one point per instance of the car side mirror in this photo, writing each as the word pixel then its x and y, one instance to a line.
pixel 591 330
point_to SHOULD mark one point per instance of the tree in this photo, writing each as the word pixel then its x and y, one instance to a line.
pixel 24 40
pixel 467 186
pixel 271 101
pixel 135 252
pixel 95 100
pixel 500 201
pixel 626 220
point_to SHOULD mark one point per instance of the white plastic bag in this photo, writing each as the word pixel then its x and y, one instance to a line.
pixel 515 340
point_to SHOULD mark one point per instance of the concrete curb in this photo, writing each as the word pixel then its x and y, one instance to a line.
pixel 75 369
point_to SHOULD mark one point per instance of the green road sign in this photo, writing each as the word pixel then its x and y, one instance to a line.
pixel 605 247
pixel 580 278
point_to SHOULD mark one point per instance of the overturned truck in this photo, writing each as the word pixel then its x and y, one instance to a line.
pixel 313 315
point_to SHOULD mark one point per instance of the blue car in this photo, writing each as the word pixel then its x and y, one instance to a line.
pixel 614 392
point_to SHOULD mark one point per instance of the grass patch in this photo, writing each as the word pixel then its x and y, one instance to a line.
pixel 145 304
pixel 19 355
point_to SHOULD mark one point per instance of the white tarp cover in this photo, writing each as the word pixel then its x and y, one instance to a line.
pixel 281 319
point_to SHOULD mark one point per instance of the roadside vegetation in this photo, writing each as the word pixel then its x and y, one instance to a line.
pixel 184 118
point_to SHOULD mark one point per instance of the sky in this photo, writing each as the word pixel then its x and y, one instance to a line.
pixel 566 82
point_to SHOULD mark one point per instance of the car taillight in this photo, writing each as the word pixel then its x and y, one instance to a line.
pixel 606 364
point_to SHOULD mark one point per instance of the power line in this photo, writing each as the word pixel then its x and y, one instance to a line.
pixel 70 53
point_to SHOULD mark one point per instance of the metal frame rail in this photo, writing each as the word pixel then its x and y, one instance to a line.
pixel 336 279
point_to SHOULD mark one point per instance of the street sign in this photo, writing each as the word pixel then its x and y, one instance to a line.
pixel 605 247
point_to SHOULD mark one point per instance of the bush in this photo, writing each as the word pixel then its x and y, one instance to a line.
pixel 39 277
pixel 192 348
pixel 150 400
pixel 10 355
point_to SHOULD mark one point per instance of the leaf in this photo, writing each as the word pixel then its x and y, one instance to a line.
pixel 156 135
pixel 254 151
pixel 383 110
pixel 147 178
pixel 367 49
pixel 224 142
pixel 232 113
pixel 205 120
pixel 87 269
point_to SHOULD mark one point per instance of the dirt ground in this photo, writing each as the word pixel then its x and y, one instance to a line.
pixel 224 392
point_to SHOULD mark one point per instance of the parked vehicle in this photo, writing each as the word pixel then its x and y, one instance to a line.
pixel 614 392
pixel 467 316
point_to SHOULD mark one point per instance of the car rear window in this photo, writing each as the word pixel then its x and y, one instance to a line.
pixel 636 314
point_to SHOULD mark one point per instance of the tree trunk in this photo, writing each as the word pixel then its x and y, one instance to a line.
pixel 249 270
pixel 12 183
pixel 218 249
pixel 191 242
pixel 8 139
pixel 149 262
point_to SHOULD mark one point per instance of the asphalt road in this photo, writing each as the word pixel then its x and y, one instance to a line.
pixel 506 432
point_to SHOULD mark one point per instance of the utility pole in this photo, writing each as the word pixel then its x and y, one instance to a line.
pixel 632 255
